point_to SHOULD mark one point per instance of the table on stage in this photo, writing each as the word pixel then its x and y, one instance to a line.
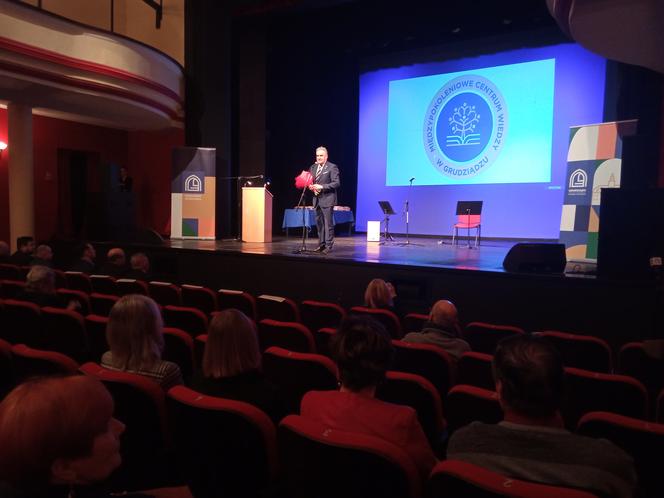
pixel 293 218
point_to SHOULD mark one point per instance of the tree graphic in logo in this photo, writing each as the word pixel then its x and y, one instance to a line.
pixel 463 123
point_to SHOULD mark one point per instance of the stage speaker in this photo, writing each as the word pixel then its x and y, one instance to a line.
pixel 536 258
pixel 148 236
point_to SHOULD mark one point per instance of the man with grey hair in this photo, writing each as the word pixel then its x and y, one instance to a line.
pixel 115 264
pixel 140 267
pixel 43 256
pixel 324 188
pixel 442 330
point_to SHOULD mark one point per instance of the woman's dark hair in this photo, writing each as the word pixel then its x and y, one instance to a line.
pixel 363 351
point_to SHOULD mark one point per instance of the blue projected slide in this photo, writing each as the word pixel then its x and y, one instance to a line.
pixel 479 126
pixel 491 128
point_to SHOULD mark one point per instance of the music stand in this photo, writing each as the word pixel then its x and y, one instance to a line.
pixel 469 208
pixel 387 210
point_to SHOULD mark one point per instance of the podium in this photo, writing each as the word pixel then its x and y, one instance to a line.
pixel 256 214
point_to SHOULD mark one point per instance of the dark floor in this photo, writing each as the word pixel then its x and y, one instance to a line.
pixel 422 252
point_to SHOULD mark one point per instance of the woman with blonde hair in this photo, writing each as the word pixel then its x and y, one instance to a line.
pixel 135 335
pixel 232 364
pixel 380 294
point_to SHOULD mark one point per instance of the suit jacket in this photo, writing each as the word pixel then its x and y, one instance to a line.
pixel 329 180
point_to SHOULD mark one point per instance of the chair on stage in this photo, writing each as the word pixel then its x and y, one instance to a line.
pixel 468 218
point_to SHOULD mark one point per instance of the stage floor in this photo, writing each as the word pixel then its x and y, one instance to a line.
pixel 420 252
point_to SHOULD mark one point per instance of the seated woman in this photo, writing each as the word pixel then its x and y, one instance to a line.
pixel 232 362
pixel 380 294
pixel 135 335
pixel 40 290
pixel 56 434
pixel 363 353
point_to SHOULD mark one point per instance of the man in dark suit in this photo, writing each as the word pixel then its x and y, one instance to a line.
pixel 326 183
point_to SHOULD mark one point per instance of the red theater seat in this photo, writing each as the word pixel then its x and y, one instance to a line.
pixel 288 335
pixel 484 337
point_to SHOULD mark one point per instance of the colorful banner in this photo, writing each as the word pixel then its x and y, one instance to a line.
pixel 594 162
pixel 193 193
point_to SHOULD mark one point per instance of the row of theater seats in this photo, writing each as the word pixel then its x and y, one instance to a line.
pixel 227 447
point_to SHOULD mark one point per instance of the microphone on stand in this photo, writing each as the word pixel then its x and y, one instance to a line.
pixel 411 180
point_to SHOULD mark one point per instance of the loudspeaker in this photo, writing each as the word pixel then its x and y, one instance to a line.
pixel 148 236
pixel 536 258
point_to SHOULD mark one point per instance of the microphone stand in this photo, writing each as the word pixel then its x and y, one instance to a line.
pixel 468 228
pixel 407 209
pixel 305 228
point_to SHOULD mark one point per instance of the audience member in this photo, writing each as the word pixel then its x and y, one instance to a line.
pixel 442 330
pixel 40 290
pixel 232 363
pixel 379 294
pixel 43 256
pixel 125 182
pixel 4 252
pixel 25 246
pixel 86 262
pixel 57 435
pixel 363 352
pixel 115 264
pixel 140 267
pixel 531 443
pixel 135 336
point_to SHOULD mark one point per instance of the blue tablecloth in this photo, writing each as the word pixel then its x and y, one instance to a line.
pixel 293 218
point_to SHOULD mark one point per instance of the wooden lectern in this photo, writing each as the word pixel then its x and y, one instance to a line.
pixel 256 214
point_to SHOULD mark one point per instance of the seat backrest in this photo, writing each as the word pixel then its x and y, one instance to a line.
pixel 431 362
pixel 77 280
pixel 7 381
pixel 587 391
pixel 202 298
pixel 581 351
pixel 95 328
pixel 453 479
pixel 103 284
pixel 22 323
pixel 179 348
pixel 165 293
pixel 297 373
pixel 126 286
pixel 140 405
pixel 474 369
pixel 472 220
pixel 659 410
pixel 240 300
pixel 191 320
pixel 414 322
pixel 288 335
pixel 77 296
pixel 388 318
pixel 634 361
pixel 10 272
pixel 420 394
pixel 224 447
pixel 9 289
pixel 643 441
pixel 279 308
pixel 484 337
pixel 29 362
pixel 199 349
pixel 318 314
pixel 64 332
pixel 322 339
pixel 101 304
pixel 466 404
pixel 326 463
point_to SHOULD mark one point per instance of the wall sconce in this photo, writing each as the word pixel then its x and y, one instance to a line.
pixel 3 146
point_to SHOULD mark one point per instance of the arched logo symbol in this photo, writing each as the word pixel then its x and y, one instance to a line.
pixel 193 183
pixel 578 179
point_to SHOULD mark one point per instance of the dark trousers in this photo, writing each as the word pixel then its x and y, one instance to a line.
pixel 325 226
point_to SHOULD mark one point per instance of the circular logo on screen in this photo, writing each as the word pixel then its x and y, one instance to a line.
pixel 465 126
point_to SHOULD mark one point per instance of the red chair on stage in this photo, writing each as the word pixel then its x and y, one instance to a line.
pixel 468 218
